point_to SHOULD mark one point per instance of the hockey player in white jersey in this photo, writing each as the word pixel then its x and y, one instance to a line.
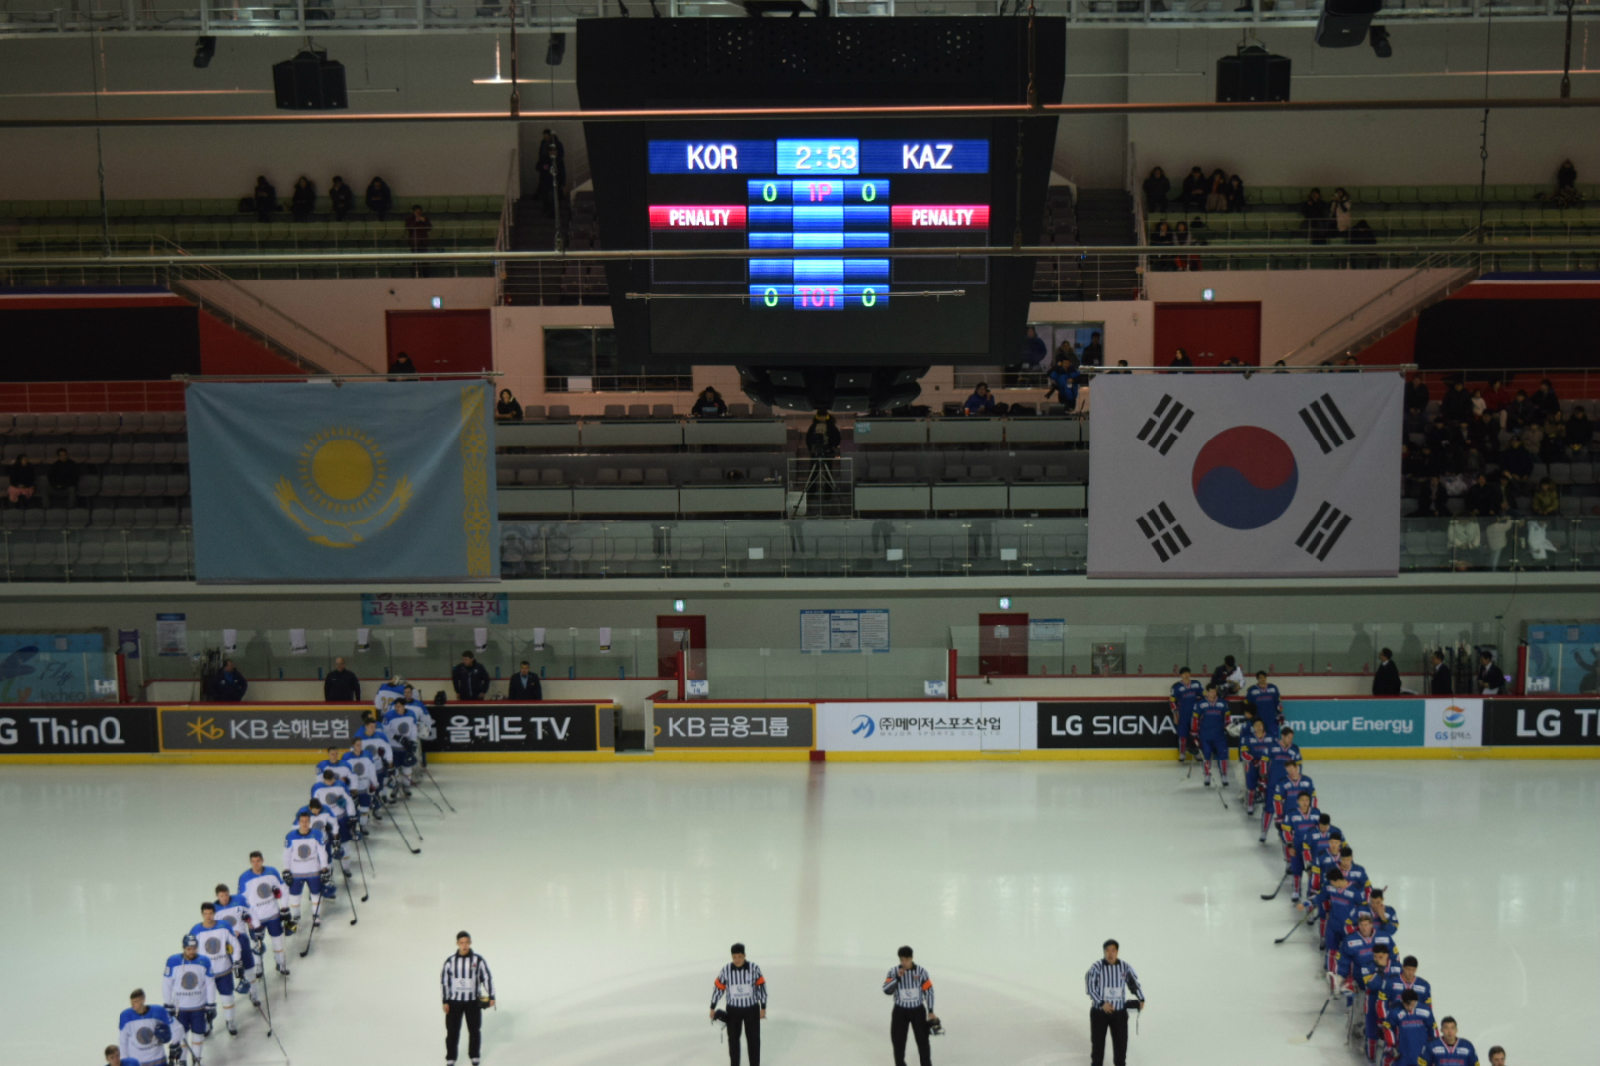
pixel 338 802
pixel 263 892
pixel 335 762
pixel 221 947
pixel 332 832
pixel 391 690
pixel 148 1035
pixel 405 733
pixel 189 988
pixel 375 742
pixel 364 781
pixel 305 860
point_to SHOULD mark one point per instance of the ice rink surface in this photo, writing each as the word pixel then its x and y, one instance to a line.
pixel 605 897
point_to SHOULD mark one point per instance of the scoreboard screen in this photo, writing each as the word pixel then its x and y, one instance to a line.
pixel 797 195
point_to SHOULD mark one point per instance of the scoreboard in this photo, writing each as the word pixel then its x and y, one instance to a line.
pixel 795 199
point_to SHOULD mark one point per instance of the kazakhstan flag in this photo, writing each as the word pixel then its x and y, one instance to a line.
pixel 310 481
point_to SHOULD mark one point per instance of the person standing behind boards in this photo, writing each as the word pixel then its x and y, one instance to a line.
pixel 1443 683
pixel 470 679
pixel 1386 682
pixel 912 990
pixel 746 989
pixel 468 987
pixel 341 686
pixel 525 684
pixel 1109 983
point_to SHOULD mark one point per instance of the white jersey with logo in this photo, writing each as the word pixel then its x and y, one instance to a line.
pixel 140 1036
pixel 377 745
pixel 364 771
pixel 218 945
pixel 402 723
pixel 325 823
pixel 335 798
pixel 388 693
pixel 235 915
pixel 189 984
pixel 261 892
pixel 305 854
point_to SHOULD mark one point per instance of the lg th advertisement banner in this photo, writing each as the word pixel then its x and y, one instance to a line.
pixel 500 726
pixel 734 725
pixel 90 730
pixel 1108 724
pixel 257 727
pixel 1228 475
pixel 942 725
pixel 1534 720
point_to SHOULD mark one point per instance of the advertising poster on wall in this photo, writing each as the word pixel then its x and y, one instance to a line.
pixel 87 730
pixel 1542 720
pixel 1106 724
pixel 946 725
pixel 501 726
pixel 734 725
pixel 1453 723
pixel 1387 723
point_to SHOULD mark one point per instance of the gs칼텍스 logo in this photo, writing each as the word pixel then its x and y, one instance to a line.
pixel 1455 717
pixel 863 726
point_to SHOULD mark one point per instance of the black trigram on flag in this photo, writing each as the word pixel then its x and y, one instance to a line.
pixel 1326 423
pixel 1161 529
pixel 1169 419
pixel 1323 531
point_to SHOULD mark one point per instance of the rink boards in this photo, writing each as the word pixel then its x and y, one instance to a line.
pixel 864 731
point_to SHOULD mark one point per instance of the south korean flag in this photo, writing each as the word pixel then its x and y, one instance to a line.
pixel 1223 475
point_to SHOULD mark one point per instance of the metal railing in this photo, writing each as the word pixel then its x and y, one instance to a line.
pixel 327 17
pixel 807 547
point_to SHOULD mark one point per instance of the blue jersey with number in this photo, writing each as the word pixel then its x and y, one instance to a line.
pixel 1267 703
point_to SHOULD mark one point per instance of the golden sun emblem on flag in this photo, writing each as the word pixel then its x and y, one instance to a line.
pixel 342 493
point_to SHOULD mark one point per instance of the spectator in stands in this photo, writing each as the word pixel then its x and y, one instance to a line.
pixel 1547 500
pixel 1416 394
pixel 1553 447
pixel 470 679
pixel 1217 192
pixel 1457 403
pixel 341 686
pixel 1443 682
pixel 1567 193
pixel 1195 188
pixel 402 364
pixel 1580 431
pixel 64 474
pixel 1361 233
pixel 304 200
pixel 1517 460
pixel 1386 681
pixel 266 198
pixel 1480 404
pixel 1180 236
pixel 525 684
pixel 24 478
pixel 1181 361
pixel 229 685
pixel 1162 236
pixel 709 404
pixel 1094 353
pixel 1520 412
pixel 1433 501
pixel 1236 199
pixel 981 402
pixel 1318 216
pixel 1035 352
pixel 380 201
pixel 1156 190
pixel 1485 437
pixel 508 409
pixel 1340 208
pixel 1485 498
pixel 1545 401
pixel 1351 365
pixel 341 198
pixel 1280 367
pixel 1064 378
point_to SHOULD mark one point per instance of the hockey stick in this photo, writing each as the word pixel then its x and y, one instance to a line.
pixel 407 805
pixel 316 913
pixel 442 796
pixel 266 988
pixel 350 892
pixel 1222 793
pixel 430 799
pixel 1298 922
pixel 363 842
pixel 402 832
pixel 1190 774
pixel 1320 1013
pixel 1275 891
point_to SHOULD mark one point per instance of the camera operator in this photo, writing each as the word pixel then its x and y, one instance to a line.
pixel 822 438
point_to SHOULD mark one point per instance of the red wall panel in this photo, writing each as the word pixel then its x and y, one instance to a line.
pixel 1224 330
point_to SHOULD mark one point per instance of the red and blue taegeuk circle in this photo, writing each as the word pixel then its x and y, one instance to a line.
pixel 1245 477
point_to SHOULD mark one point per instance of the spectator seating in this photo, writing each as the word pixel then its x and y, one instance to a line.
pixel 135 470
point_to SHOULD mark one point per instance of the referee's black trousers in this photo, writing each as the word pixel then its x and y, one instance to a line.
pixel 916 1019
pixel 472 1011
pixel 747 1019
pixel 1099 1022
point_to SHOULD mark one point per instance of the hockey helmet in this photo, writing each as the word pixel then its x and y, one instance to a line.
pixel 191 941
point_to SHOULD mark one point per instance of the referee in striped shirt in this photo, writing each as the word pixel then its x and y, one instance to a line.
pixel 1110 983
pixel 468 986
pixel 746 989
pixel 912 990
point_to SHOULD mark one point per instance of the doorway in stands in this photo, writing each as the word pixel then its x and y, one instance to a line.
pixel 685 633
pixel 1210 332
pixel 442 342
pixel 1002 645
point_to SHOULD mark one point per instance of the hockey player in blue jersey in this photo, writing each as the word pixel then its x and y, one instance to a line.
pixel 1407 1030
pixel 1211 726
pixel 1356 875
pixel 1325 857
pixel 1371 977
pixel 232 910
pixel 1382 915
pixel 189 989
pixel 1264 698
pixel 1408 981
pixel 1305 820
pixel 1356 949
pixel 1186 692
pixel 263 892
pixel 305 860
pixel 1254 751
pixel 1333 902
pixel 1279 758
pixel 1283 800
pixel 1448 1049
pixel 148 1035
pixel 221 947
